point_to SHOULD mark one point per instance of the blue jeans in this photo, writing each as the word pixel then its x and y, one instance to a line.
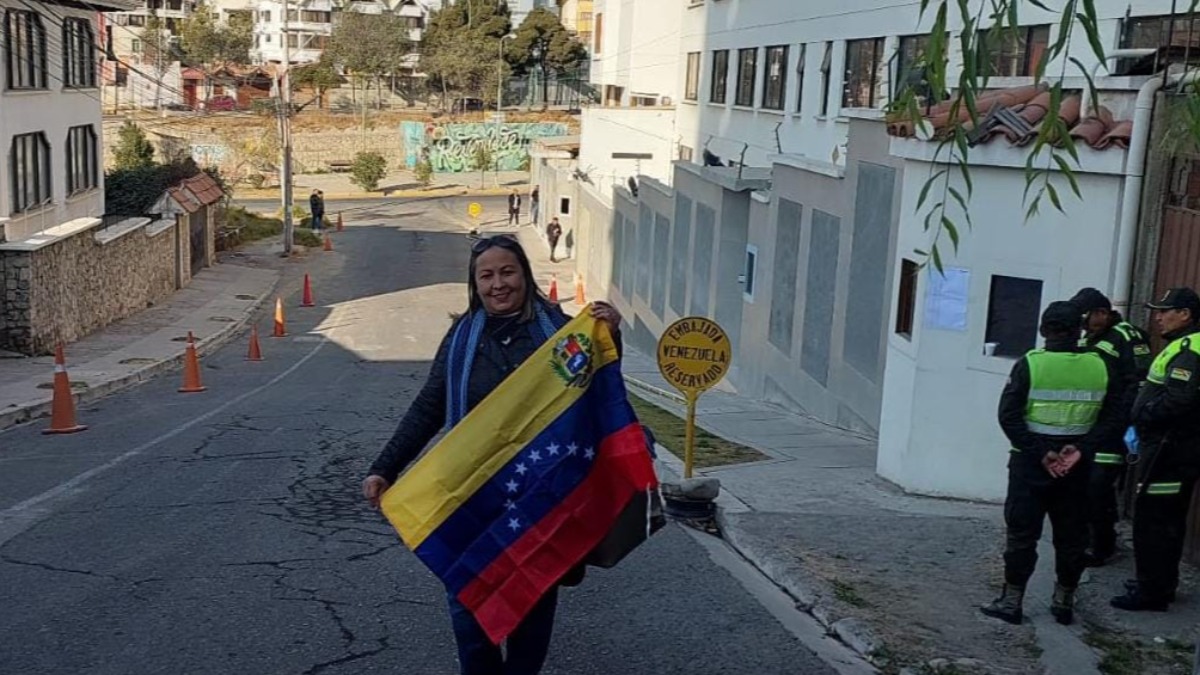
pixel 533 212
pixel 527 646
pixel 316 221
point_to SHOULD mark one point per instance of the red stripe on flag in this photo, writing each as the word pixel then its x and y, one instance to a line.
pixel 512 584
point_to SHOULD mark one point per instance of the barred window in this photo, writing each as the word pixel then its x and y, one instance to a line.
pixel 775 78
pixel 747 72
pixel 79 53
pixel 24 49
pixel 29 166
pixel 720 76
pixel 82 171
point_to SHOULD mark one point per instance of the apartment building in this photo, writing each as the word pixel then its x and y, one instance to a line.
pixel 740 166
pixel 576 17
pixel 50 117
pixel 309 27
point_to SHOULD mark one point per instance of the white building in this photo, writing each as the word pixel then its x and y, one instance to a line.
pixel 519 9
pixel 50 118
pixel 802 241
pixel 309 27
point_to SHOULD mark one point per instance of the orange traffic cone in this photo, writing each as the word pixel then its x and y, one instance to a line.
pixel 328 242
pixel 280 329
pixel 579 299
pixel 62 409
pixel 255 350
pixel 191 369
pixel 553 295
pixel 307 300
pixel 341 225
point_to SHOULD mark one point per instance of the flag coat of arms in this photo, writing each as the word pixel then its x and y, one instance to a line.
pixel 530 481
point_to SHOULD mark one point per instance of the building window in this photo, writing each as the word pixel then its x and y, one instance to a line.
pixel 29 165
pixel 1015 52
pixel 685 153
pixel 826 71
pixel 135 46
pixel 906 303
pixel 25 49
pixel 800 78
pixel 775 78
pixel 863 58
pixel 136 20
pixel 564 206
pixel 266 15
pixel 1155 32
pixel 81 159
pixel 720 76
pixel 912 69
pixel 598 33
pixel 691 89
pixel 79 49
pixel 747 67
pixel 1014 306
pixel 748 275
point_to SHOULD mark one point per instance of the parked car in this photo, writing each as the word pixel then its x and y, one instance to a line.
pixel 221 103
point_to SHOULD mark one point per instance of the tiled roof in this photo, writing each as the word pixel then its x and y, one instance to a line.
pixel 1016 115
pixel 195 192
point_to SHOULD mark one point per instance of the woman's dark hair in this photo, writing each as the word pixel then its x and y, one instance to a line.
pixel 533 294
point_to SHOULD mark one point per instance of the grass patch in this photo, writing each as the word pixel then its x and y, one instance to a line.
pixel 847 594
pixel 1126 656
pixel 670 431
pixel 244 227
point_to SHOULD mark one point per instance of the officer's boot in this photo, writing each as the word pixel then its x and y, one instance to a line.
pixel 1007 607
pixel 1062 605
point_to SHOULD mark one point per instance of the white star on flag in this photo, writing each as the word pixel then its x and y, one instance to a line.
pixel 535 456
pixel 514 524
pixel 521 469
pixel 552 449
pixel 509 504
pixel 589 453
pixel 511 485
pixel 572 449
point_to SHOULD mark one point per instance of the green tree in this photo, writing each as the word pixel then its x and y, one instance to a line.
pixel 134 150
pixel 482 159
pixel 370 46
pixel 559 50
pixel 158 45
pixel 320 76
pixel 368 169
pixel 423 172
pixel 1053 157
pixel 214 44
pixel 460 50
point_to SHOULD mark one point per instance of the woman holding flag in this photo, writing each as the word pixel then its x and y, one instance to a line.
pixel 508 321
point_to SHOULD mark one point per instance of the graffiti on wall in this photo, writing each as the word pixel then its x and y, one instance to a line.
pixel 206 154
pixel 450 147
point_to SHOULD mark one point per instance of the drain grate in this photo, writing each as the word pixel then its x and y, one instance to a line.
pixel 243 296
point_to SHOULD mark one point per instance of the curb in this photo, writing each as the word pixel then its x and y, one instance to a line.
pixel 30 412
pixel 367 196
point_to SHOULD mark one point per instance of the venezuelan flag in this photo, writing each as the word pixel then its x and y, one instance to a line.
pixel 530 481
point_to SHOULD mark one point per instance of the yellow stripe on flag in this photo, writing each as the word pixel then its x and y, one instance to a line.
pixel 527 402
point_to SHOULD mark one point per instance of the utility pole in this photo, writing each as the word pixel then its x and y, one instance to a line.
pixel 285 135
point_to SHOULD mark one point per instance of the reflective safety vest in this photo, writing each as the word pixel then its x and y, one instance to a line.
pixel 1159 373
pixel 1066 392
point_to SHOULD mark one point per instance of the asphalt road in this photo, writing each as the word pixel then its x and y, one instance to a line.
pixel 223 532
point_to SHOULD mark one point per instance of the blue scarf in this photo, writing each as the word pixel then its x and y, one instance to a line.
pixel 465 344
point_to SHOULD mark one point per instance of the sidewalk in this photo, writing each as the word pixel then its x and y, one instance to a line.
pixel 400 185
pixel 899 578
pixel 215 306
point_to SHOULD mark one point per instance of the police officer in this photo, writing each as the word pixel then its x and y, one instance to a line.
pixel 1167 417
pixel 1126 349
pixel 1056 406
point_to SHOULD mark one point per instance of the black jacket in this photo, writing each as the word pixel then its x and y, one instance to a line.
pixel 1168 418
pixel 505 345
pixel 1032 446
pixel 317 205
pixel 1128 361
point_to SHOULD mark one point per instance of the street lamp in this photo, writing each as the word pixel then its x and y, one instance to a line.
pixel 500 75
pixel 536 51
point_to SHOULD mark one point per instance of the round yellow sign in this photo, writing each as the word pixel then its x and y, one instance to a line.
pixel 694 354
pixel 474 209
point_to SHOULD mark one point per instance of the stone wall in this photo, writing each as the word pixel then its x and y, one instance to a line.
pixel 80 283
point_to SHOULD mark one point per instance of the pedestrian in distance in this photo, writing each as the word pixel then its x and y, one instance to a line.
pixel 516 319
pixel 1055 409
pixel 1126 350
pixel 535 204
pixel 316 205
pixel 1166 416
pixel 553 233
pixel 514 208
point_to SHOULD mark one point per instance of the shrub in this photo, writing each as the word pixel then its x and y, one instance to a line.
pixel 368 169
pixel 134 150
pixel 423 172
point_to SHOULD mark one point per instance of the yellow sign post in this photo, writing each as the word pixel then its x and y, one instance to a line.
pixel 693 355
pixel 474 209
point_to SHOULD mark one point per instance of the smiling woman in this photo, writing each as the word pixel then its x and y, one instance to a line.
pixel 508 319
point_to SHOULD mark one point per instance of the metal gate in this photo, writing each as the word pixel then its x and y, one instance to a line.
pixel 198 224
pixel 1179 265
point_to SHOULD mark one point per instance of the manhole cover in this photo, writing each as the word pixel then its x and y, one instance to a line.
pixel 137 360
pixel 243 296
pixel 221 319
pixel 74 385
